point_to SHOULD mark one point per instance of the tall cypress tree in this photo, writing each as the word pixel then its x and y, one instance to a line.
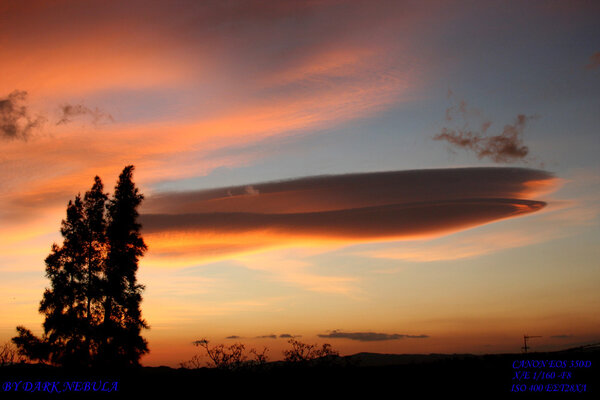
pixel 123 344
pixel 71 303
pixel 92 307
pixel 64 303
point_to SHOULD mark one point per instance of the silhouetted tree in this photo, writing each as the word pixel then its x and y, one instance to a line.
pixel 64 303
pixel 122 342
pixel 74 272
pixel 92 307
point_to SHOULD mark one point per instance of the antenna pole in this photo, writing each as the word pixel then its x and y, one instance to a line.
pixel 525 337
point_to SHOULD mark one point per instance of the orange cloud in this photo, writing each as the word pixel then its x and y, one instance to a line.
pixel 228 85
pixel 71 48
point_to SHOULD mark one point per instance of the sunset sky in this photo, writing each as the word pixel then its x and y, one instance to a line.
pixel 384 176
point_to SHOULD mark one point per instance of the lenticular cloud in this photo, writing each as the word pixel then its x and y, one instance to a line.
pixel 355 207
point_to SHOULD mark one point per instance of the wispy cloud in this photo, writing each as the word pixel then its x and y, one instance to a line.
pixel 70 111
pixel 281 266
pixel 466 246
pixel 369 336
pixel 505 147
pixel 271 336
pixel 16 121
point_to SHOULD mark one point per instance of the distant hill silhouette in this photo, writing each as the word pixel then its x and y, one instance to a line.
pixel 378 359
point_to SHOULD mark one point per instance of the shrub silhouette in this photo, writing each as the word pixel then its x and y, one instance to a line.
pixel 234 357
pixel 9 355
pixel 302 353
pixel 227 357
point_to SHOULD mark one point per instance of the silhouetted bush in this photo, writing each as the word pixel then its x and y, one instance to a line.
pixel 9 355
pixel 234 357
pixel 227 357
pixel 302 353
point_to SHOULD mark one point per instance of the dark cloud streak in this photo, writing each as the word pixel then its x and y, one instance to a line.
pixel 267 337
pixel 369 336
pixel 562 336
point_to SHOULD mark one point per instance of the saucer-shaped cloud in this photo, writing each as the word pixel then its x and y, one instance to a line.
pixel 351 207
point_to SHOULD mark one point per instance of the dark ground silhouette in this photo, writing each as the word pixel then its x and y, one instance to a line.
pixel 375 375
